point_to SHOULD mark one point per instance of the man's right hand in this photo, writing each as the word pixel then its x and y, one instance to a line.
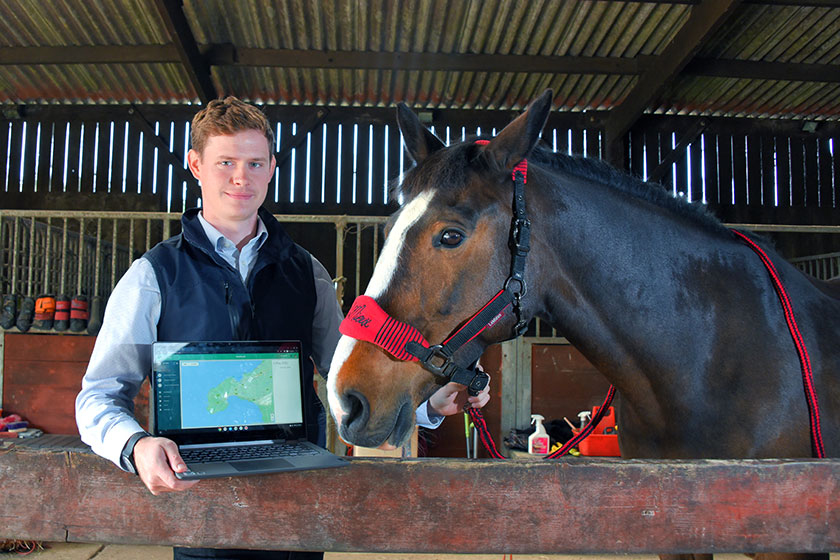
pixel 157 460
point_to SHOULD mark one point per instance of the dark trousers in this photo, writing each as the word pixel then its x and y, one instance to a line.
pixel 179 553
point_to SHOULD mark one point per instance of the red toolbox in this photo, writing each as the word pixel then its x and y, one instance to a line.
pixel 599 444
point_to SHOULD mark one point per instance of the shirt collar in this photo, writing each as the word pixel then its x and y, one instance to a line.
pixel 217 240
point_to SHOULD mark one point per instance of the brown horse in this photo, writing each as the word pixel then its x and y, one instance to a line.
pixel 674 310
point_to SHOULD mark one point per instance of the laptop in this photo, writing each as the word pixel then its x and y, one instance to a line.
pixel 233 408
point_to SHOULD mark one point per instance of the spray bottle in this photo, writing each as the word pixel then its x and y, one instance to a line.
pixel 538 442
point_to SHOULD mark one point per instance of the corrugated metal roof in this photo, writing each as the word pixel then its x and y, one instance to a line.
pixel 774 34
pixel 496 27
pixel 97 84
pixel 632 34
pixel 779 34
pixel 443 90
pixel 544 27
pixel 754 98
pixel 35 23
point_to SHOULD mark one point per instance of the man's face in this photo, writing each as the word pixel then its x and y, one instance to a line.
pixel 234 172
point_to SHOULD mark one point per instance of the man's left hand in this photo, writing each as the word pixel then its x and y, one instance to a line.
pixel 450 399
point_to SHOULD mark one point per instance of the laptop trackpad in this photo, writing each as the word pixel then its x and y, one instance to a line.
pixel 260 464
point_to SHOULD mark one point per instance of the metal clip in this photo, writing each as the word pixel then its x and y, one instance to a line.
pixel 523 287
pixel 478 383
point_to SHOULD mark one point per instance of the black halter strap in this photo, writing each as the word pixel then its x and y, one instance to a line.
pixel 438 358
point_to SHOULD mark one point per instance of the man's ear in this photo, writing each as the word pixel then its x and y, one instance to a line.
pixel 194 163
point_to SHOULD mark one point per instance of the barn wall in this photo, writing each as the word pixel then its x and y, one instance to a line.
pixel 333 160
pixel 42 374
pixel 336 161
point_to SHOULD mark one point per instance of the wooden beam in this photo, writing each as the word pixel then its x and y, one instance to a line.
pixel 685 139
pixel 161 143
pixel 704 19
pixel 195 65
pixel 461 62
pixel 228 55
pixel 453 505
pixel 310 123
pixel 738 126
pixel 116 54
pixel 757 70
pixel 797 4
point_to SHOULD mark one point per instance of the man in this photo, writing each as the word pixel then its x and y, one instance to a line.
pixel 227 276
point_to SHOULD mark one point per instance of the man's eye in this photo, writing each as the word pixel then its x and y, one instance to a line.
pixel 451 238
pixel 256 164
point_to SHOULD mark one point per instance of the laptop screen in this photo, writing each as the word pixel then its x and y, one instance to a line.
pixel 227 391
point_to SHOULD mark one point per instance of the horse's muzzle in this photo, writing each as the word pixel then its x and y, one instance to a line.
pixel 356 426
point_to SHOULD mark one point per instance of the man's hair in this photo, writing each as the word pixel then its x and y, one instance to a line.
pixel 224 117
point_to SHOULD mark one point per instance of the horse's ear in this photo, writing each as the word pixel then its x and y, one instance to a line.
pixel 517 139
pixel 419 141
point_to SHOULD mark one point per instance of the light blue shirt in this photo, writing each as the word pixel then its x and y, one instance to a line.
pixel 121 358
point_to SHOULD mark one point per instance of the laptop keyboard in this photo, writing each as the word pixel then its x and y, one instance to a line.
pixel 236 453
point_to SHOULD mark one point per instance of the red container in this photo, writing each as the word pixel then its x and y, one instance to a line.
pixel 599 444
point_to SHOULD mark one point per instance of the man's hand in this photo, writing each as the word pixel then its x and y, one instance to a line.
pixel 157 460
pixel 450 399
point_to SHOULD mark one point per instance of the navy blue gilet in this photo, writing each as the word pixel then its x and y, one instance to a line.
pixel 204 298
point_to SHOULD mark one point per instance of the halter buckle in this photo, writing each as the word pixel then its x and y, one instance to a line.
pixel 439 369
pixel 520 238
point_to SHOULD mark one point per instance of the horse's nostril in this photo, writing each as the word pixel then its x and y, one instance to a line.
pixel 357 410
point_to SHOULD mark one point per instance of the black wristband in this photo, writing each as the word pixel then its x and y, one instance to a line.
pixel 127 455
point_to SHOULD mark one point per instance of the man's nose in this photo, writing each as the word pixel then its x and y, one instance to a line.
pixel 239 177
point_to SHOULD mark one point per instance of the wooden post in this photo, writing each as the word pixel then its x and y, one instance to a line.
pixel 516 385
pixel 435 505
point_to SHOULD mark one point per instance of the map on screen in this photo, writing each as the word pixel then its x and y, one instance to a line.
pixel 239 392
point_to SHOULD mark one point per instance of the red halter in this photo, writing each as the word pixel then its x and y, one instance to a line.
pixel 367 321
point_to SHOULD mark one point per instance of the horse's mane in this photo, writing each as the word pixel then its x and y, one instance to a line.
pixel 448 169
pixel 601 172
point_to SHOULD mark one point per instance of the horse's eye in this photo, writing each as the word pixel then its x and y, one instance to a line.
pixel 451 238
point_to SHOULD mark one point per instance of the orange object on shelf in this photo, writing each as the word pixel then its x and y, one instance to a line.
pixel 599 444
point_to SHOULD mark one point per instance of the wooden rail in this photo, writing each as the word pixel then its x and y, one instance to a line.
pixel 433 505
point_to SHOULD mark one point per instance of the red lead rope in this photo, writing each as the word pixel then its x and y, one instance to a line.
pixel 805 362
pixel 487 439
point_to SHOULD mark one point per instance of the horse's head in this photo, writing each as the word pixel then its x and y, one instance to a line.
pixel 446 254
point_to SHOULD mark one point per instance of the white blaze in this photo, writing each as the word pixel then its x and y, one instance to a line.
pixel 383 272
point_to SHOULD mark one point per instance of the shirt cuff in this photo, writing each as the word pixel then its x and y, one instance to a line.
pixel 427 417
pixel 115 441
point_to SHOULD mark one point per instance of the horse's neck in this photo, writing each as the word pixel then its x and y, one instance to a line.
pixel 682 318
pixel 626 272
